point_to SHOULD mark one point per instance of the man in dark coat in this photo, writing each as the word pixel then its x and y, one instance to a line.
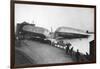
pixel 71 51
pixel 77 56
pixel 67 48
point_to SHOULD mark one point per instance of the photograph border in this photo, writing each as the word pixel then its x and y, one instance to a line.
pixel 12 34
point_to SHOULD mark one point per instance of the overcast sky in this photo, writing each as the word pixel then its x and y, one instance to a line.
pixel 55 16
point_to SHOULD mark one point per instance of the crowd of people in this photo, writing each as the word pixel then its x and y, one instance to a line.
pixel 69 49
pixel 71 52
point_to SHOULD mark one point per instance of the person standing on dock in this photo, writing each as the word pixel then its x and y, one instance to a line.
pixel 67 48
pixel 77 55
pixel 71 51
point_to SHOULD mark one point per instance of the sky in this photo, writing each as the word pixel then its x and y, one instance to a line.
pixel 55 16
